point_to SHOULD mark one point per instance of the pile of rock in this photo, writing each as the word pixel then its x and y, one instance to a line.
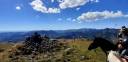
pixel 36 44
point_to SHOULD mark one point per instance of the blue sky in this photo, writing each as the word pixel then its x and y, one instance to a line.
pixel 26 15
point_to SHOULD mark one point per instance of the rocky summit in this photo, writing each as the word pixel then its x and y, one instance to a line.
pixel 34 45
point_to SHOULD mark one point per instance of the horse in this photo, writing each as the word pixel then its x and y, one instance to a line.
pixel 104 44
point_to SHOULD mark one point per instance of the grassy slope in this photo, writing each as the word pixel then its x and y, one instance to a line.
pixel 79 47
pixel 4 54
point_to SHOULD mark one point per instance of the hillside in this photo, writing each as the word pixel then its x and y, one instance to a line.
pixel 75 51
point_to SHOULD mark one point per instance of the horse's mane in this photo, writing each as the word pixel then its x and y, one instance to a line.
pixel 104 40
pixel 106 43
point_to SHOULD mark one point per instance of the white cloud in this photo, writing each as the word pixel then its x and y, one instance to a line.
pixel 74 3
pixel 73 20
pixel 93 16
pixel 38 5
pixel 59 19
pixel 95 1
pixel 18 8
pixel 52 1
pixel 77 9
pixel 53 10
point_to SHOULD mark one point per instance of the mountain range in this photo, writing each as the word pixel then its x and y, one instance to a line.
pixel 108 33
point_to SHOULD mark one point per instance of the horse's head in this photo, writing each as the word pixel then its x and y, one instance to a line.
pixel 94 44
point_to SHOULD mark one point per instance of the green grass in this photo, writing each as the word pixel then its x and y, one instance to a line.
pixel 79 49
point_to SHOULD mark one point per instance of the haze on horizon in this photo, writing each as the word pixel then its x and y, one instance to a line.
pixel 27 15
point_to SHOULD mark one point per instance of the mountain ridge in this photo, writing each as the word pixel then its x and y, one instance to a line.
pixel 88 33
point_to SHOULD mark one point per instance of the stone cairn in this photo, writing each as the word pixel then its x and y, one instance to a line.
pixel 37 44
